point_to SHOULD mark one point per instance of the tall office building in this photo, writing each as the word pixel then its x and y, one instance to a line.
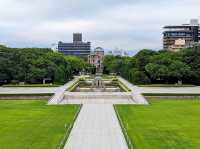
pixel 176 37
pixel 76 48
pixel 77 37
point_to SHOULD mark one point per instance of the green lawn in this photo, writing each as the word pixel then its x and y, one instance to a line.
pixel 165 124
pixel 33 124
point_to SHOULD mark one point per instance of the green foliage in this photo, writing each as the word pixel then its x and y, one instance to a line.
pixel 191 57
pixel 111 64
pixel 131 68
pixel 149 66
pixel 143 58
pixel 138 77
pixel 75 63
pixel 32 65
pixel 167 67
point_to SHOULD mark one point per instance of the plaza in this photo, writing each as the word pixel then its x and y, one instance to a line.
pixel 97 125
pixel 99 74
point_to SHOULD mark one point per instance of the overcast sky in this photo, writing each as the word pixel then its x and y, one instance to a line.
pixel 127 24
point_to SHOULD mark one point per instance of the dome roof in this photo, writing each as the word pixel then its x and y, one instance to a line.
pixel 98 49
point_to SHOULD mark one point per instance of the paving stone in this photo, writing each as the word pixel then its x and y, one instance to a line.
pixel 96 127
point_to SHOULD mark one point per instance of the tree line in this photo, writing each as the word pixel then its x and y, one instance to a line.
pixel 32 65
pixel 149 66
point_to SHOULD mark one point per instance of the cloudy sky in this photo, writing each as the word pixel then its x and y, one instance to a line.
pixel 127 24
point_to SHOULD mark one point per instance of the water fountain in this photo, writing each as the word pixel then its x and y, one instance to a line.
pixel 98 84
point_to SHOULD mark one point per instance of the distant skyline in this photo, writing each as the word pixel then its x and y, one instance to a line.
pixel 129 25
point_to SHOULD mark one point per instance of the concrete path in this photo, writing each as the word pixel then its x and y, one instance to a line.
pixel 189 90
pixel 27 90
pixel 35 90
pixel 97 98
pixel 96 127
pixel 135 91
pixel 98 101
pixel 59 94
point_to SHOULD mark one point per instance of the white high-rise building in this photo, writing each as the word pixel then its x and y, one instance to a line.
pixel 54 47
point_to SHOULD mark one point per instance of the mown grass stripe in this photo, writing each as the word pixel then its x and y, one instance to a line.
pixel 128 141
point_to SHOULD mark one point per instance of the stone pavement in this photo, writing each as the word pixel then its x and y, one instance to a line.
pixel 59 94
pixel 135 91
pixel 35 90
pixel 96 127
pixel 185 90
pixel 27 90
pixel 98 101
pixel 97 98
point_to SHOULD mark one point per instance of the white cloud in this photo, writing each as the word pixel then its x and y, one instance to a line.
pixel 108 23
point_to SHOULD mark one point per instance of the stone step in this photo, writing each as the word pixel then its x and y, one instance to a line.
pixel 98 101
pixel 97 95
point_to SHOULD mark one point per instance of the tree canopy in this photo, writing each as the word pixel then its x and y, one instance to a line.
pixel 149 66
pixel 32 65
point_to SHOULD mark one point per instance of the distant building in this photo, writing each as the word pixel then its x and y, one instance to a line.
pixel 76 48
pixel 96 59
pixel 177 37
pixel 179 44
pixel 118 52
pixel 54 47
pixel 77 37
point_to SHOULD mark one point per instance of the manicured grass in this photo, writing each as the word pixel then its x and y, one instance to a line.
pixel 164 124
pixel 31 85
pixel 166 85
pixel 33 124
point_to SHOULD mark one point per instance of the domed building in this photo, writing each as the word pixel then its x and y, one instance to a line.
pixel 96 59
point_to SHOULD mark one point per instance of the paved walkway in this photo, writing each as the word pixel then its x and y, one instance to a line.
pixel 27 90
pixel 189 90
pixel 59 94
pixel 32 90
pixel 135 91
pixel 96 127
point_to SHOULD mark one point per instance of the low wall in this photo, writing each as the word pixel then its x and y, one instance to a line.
pixel 136 93
pixel 59 94
pixel 25 97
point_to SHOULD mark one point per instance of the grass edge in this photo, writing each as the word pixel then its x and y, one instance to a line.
pixel 128 140
pixel 68 130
